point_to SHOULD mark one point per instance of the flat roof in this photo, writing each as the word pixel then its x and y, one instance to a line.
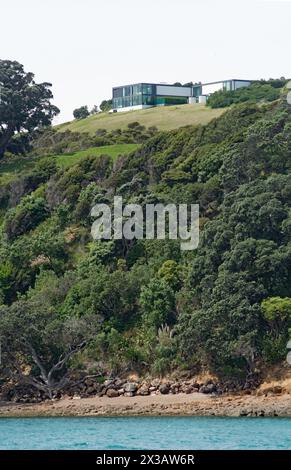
pixel 161 84
pixel 227 80
pixel 185 86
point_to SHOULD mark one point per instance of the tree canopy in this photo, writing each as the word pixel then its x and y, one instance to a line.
pixel 24 104
pixel 81 113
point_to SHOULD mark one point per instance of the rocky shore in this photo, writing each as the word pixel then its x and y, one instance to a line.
pixel 129 396
pixel 193 404
pixel 90 386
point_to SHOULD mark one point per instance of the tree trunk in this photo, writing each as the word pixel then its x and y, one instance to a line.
pixel 4 140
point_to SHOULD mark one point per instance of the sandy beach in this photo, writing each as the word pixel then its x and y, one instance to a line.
pixel 194 404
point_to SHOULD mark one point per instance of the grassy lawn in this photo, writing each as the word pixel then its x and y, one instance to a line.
pixel 9 168
pixel 112 150
pixel 164 118
pixel 12 167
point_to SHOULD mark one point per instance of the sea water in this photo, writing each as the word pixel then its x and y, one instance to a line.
pixel 143 433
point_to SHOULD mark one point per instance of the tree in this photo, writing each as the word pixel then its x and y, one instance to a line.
pixel 157 302
pixel 106 105
pixel 277 312
pixel 81 113
pixel 24 104
pixel 39 352
pixel 94 110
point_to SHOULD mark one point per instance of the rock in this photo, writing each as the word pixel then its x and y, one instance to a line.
pixel 277 389
pixel 130 387
pixel 143 391
pixel 107 383
pixel 121 391
pixel 152 389
pixel 119 383
pixel 210 388
pixel 164 389
pixel 128 394
pixel 112 393
pixel 155 383
pixel 195 385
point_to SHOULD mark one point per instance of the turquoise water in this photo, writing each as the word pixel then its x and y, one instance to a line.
pixel 145 433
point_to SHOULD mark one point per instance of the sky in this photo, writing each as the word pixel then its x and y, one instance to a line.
pixel 85 47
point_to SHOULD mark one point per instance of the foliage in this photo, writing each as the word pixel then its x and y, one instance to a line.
pixel 257 91
pixel 52 142
pixel 24 105
pixel 106 105
pixel 224 307
pixel 45 342
pixel 81 113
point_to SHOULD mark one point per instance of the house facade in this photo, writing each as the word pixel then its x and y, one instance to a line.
pixel 147 95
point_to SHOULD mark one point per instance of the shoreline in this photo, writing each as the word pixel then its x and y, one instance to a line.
pixel 194 404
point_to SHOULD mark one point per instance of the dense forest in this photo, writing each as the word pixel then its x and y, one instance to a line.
pixel 70 303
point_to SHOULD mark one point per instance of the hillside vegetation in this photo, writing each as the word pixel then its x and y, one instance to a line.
pixel 262 91
pixel 164 118
pixel 13 167
pixel 145 305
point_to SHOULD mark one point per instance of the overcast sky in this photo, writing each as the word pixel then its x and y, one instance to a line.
pixel 84 47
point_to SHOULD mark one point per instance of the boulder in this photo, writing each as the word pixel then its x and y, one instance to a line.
pixel 108 382
pixel 210 388
pixel 195 385
pixel 130 387
pixel 155 383
pixel 119 383
pixel 143 391
pixel 112 393
pixel 164 389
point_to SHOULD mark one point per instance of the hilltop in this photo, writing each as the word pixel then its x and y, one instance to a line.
pixel 164 118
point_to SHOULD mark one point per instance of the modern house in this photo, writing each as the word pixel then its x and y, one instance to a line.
pixel 147 95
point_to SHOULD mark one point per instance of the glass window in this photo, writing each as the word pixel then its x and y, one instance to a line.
pixel 117 92
pixel 136 89
pixel 197 90
pixel 117 103
pixel 127 91
pixel 136 100
pixel 227 85
pixel 127 101
pixel 147 90
pixel 148 100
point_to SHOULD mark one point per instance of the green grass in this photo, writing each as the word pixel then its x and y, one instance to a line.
pixel 164 118
pixel 14 166
pixel 112 150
